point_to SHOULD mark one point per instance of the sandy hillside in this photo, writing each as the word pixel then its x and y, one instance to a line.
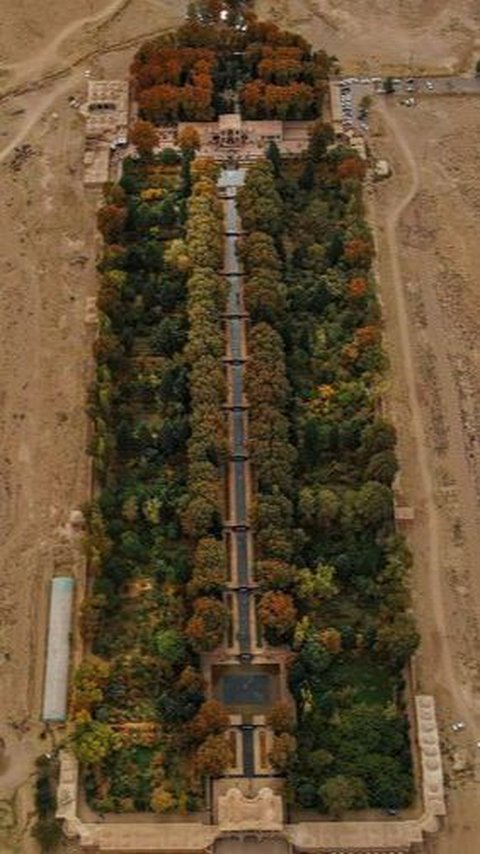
pixel 373 34
pixel 48 249
pixel 429 256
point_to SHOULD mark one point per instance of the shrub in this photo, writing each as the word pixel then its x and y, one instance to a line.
pixel 162 800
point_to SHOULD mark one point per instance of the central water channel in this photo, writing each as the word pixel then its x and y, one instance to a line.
pixel 236 319
pixel 246 686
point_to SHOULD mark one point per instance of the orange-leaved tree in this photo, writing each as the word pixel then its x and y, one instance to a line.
pixel 188 139
pixel 144 136
pixel 211 719
pixel 213 756
pixel 206 627
pixel 277 614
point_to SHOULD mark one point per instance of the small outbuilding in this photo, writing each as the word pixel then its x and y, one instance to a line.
pixel 58 650
pixel 382 170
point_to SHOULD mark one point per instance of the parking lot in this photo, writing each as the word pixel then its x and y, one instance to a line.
pixel 354 94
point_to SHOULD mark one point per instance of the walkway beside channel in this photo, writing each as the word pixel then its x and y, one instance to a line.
pixel 237 415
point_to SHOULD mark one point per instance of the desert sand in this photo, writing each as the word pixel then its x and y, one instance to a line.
pixel 428 257
pixel 48 250
pixel 426 35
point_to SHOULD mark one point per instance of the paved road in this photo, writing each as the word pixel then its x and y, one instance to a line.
pixel 442 85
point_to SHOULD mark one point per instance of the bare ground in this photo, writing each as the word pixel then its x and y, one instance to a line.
pixel 47 272
pixel 429 255
pixel 379 35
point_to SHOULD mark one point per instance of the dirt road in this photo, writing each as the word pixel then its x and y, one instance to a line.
pixel 428 257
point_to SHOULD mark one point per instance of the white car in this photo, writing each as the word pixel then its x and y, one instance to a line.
pixel 429 84
pixel 458 726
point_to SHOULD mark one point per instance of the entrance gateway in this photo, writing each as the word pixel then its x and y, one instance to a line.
pixel 252 844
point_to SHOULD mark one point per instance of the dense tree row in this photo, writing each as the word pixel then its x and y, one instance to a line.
pixel 156 561
pixel 330 566
pixel 193 75
pixel 207 446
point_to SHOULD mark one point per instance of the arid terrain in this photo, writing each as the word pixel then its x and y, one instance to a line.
pixel 368 34
pixel 429 254
pixel 427 217
pixel 48 252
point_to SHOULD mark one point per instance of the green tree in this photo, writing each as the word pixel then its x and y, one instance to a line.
pixel 210 567
pixel 321 136
pixel 89 683
pixel 374 503
pixel 282 751
pixel 316 585
pixel 307 178
pixel 206 628
pixel 397 640
pixel 92 740
pixel 275 574
pixel 378 436
pixel 388 85
pixel 111 221
pixel 275 158
pixel 170 646
pixel 48 832
pixel 382 467
pixel 340 794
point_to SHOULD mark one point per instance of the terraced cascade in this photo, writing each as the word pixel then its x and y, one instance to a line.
pixel 238 475
pixel 244 682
